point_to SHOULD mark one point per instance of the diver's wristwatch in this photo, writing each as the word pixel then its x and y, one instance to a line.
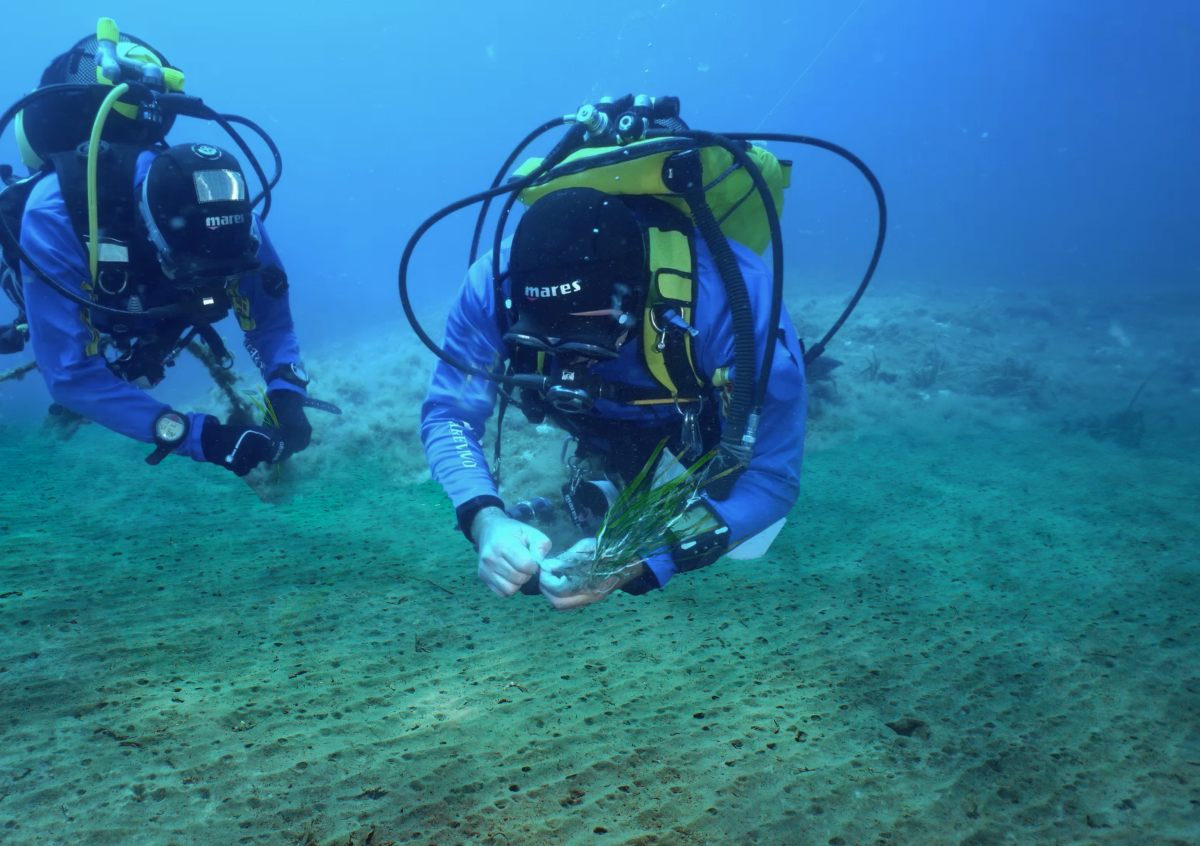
pixel 170 428
pixel 294 373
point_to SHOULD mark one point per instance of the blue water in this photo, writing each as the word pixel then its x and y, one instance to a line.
pixel 1021 144
pixel 1032 153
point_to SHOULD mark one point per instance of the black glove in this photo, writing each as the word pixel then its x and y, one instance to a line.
pixel 12 338
pixel 239 448
pixel 293 424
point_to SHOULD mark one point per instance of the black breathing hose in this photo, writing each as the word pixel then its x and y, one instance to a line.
pixel 498 246
pixel 225 124
pixel 750 383
pixel 189 106
pixel 406 259
pixel 500 174
pixel 741 317
pixel 270 142
pixel 560 151
pixel 815 350
pixel 570 142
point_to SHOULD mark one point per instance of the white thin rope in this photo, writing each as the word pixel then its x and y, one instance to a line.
pixel 815 59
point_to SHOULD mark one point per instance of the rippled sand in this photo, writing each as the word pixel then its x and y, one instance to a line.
pixel 976 628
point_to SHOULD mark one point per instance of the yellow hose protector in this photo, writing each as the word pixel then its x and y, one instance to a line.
pixel 93 162
pixel 128 52
pixel 107 30
pixel 173 79
pixel 729 189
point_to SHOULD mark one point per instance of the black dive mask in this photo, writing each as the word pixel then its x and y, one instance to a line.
pixel 567 347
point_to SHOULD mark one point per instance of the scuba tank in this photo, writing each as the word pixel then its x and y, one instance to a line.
pixel 728 187
pixel 127 94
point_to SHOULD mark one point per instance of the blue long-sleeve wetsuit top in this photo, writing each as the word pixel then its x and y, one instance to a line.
pixel 60 334
pixel 458 405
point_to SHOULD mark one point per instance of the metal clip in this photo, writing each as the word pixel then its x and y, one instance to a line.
pixel 689 434
pixel 661 344
pixel 574 464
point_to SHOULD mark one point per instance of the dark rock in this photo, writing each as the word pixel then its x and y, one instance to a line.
pixel 909 727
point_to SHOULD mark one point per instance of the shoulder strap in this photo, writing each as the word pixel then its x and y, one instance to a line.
pixel 671 299
pixel 117 210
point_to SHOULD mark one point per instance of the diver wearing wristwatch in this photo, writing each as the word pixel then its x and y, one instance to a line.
pixel 170 429
pixel 293 373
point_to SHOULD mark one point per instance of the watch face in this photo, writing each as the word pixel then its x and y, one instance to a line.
pixel 170 428
pixel 299 372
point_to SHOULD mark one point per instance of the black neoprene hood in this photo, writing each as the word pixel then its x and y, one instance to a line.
pixel 578 263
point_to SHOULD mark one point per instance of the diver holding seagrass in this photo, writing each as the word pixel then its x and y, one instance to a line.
pixel 120 252
pixel 631 309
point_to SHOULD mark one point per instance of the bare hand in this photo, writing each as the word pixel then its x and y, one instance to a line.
pixel 564 590
pixel 509 550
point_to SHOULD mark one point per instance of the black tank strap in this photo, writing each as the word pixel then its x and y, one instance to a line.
pixel 117 207
pixel 14 195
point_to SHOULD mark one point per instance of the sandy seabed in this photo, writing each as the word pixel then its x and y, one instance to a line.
pixel 979 626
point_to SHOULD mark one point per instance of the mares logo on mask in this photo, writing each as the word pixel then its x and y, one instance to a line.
pixel 535 293
pixel 217 221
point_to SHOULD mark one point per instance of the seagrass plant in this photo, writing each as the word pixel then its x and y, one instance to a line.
pixel 263 403
pixel 648 515
pixel 269 418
